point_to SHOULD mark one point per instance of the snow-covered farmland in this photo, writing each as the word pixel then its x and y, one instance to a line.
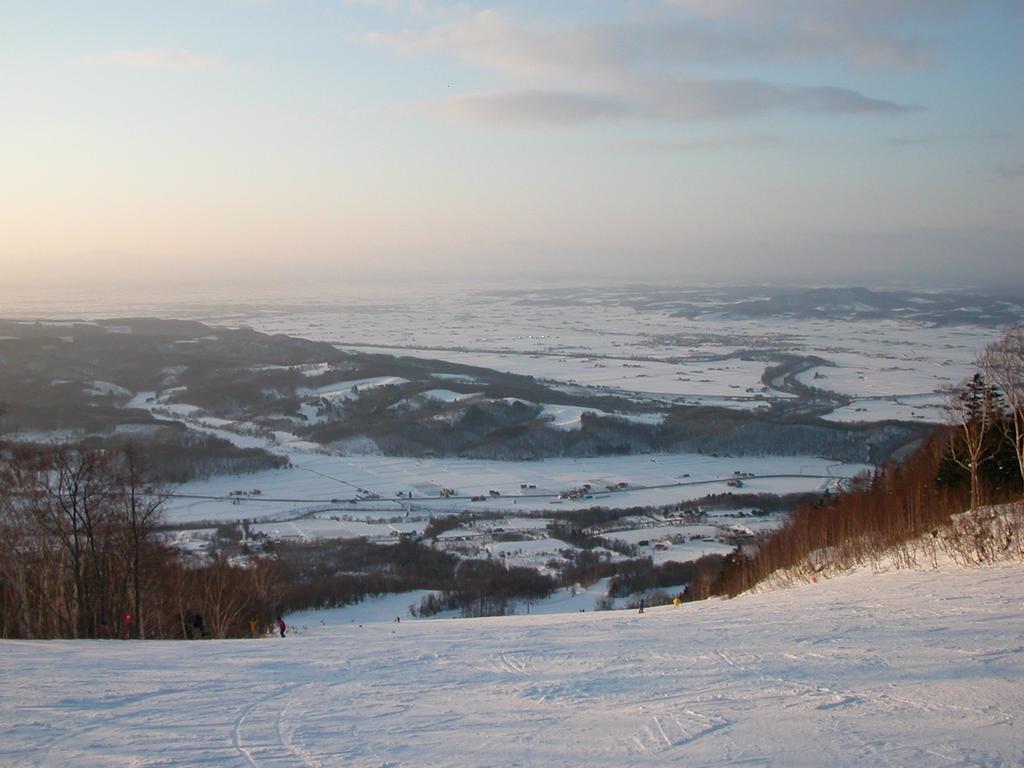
pixel 321 527
pixel 868 375
pixel 609 343
pixel 891 669
pixel 318 482
pixel 739 378
pixel 663 552
pixel 603 336
pixel 528 553
pixel 929 408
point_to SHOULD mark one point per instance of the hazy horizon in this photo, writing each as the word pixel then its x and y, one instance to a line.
pixel 1000 275
pixel 260 141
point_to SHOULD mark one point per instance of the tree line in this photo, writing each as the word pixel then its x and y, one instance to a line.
pixel 81 555
pixel 332 574
pixel 974 461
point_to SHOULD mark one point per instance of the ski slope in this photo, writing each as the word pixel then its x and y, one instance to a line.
pixel 902 668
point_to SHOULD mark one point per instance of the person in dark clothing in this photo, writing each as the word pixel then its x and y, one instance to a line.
pixel 281 625
pixel 641 607
pixel 197 626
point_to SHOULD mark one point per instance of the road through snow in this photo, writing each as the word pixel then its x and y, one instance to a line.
pixel 901 668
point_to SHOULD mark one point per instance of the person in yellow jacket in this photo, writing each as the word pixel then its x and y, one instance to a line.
pixel 254 626
pixel 676 601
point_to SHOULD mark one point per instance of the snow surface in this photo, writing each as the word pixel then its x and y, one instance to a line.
pixel 613 340
pixel 902 668
pixel 740 378
pixel 313 528
pixel 315 480
pixel 446 395
pixel 924 408
pixel 569 417
pixel 107 388
pixel 566 417
pixel 347 390
pixel 528 553
pixel 389 607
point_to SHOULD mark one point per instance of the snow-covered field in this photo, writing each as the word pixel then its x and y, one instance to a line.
pixel 616 346
pixel 612 340
pixel 318 482
pixel 326 528
pixel 316 479
pixel 908 668
pixel 927 408
pixel 739 378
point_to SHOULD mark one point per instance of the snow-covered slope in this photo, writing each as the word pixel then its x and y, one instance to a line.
pixel 918 668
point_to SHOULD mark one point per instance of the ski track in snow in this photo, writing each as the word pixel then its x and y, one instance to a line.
pixel 891 669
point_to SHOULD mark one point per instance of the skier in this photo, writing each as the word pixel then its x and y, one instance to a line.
pixel 641 607
pixel 281 626
pixel 126 624
pixel 254 626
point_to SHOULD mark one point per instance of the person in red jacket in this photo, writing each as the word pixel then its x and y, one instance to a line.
pixel 281 625
pixel 126 624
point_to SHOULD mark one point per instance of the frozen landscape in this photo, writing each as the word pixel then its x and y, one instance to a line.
pixel 646 346
pixel 319 484
pixel 587 384
pixel 685 345
pixel 641 367
pixel 870 669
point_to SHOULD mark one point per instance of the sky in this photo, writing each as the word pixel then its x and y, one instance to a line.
pixel 248 140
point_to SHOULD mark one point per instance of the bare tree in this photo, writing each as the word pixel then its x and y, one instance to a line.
pixel 140 507
pixel 223 597
pixel 79 548
pixel 1003 364
pixel 976 412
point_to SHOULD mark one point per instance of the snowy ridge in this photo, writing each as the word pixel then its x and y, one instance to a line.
pixel 910 667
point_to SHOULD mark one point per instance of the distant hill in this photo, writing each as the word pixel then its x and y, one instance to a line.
pixel 865 304
pixel 145 375
pixel 951 307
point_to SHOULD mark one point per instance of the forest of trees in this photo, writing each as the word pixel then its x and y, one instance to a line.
pixel 81 555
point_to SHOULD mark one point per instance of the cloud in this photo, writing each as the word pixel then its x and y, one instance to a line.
pixel 731 99
pixel 875 10
pixel 678 102
pixel 868 33
pixel 415 8
pixel 171 60
pixel 1010 172
pixel 535 107
pixel 695 33
pixel 949 138
pixel 691 144
pixel 641 69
